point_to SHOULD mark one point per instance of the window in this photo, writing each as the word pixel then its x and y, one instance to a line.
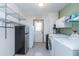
pixel 38 25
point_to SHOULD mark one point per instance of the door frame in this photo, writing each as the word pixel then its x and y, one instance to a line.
pixel 42 30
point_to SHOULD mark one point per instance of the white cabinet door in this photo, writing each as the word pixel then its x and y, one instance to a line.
pixel 10 41
pixel 2 42
pixel 60 23
pixel 31 37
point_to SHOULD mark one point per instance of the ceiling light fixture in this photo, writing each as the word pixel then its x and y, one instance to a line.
pixel 40 4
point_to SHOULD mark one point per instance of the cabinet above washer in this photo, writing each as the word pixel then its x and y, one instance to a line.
pixel 60 23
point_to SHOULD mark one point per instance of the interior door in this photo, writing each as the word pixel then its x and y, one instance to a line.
pixel 38 30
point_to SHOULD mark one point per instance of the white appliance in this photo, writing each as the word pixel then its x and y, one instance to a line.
pixel 66 47
pixel 51 42
pixel 31 36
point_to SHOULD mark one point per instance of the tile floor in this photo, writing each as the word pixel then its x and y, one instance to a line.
pixel 38 50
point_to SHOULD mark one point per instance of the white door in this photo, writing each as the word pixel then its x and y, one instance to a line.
pixel 38 30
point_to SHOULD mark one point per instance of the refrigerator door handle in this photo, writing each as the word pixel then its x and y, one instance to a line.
pixel 26 33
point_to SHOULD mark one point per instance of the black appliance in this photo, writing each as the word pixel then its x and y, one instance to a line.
pixel 54 29
pixel 47 38
pixel 21 39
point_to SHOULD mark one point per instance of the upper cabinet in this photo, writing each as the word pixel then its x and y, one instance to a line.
pixel 64 22
pixel 61 23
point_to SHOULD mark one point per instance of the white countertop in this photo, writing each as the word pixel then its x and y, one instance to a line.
pixel 72 44
pixel 64 39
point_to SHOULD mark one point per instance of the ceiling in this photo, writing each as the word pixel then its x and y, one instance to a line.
pixel 32 9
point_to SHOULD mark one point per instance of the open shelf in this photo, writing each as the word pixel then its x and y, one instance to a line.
pixel 8 15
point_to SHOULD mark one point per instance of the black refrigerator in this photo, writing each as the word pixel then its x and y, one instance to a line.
pixel 21 39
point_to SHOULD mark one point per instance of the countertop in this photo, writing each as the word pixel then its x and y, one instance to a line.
pixel 70 43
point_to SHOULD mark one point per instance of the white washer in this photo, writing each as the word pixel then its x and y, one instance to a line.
pixel 51 39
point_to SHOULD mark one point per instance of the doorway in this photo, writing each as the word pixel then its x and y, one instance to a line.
pixel 38 30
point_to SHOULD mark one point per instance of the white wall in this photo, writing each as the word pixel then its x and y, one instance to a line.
pixel 48 23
